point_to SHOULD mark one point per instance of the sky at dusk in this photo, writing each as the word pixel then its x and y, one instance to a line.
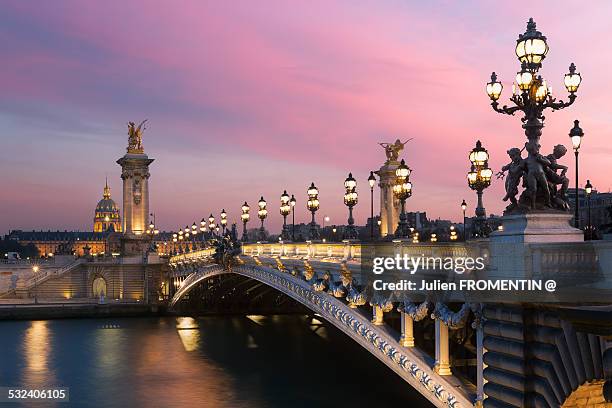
pixel 248 98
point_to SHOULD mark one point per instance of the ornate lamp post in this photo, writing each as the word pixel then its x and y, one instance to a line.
pixel 588 189
pixel 194 233
pixel 212 225
pixel 576 135
pixel 262 213
pixel 372 182
pixel 532 98
pixel 350 200
pixel 292 202
pixel 402 190
pixel 479 178
pixel 223 221
pixel 285 209
pixel 245 218
pixel 313 205
pixel 203 229
pixel 464 207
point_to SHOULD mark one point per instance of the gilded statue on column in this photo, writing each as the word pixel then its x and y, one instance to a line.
pixel 135 137
pixel 392 150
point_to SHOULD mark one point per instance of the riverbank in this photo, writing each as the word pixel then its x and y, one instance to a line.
pixel 64 310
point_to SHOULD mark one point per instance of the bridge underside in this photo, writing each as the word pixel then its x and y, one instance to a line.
pixel 237 294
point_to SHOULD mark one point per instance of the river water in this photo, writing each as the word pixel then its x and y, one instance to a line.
pixel 251 361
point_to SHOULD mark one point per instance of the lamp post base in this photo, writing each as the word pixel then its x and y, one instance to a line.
pixel 313 233
pixel 537 227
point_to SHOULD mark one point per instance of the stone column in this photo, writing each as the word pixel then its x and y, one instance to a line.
pixel 442 366
pixel 389 206
pixel 135 175
pixel 479 364
pixel 377 315
pixel 407 337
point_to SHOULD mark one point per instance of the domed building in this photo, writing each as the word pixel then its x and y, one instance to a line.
pixel 107 217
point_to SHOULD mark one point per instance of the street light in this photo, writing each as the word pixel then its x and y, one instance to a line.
pixel 245 218
pixel 35 269
pixel 588 190
pixel 372 182
pixel 212 225
pixel 313 205
pixel 402 190
pixel 223 221
pixel 532 98
pixel 285 209
pixel 350 200
pixel 262 213
pixel 479 178
pixel 292 202
pixel 576 135
pixel 464 207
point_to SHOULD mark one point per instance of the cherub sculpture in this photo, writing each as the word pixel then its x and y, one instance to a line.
pixel 555 178
pixel 535 179
pixel 515 169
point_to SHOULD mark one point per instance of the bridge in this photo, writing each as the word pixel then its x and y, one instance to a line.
pixel 540 355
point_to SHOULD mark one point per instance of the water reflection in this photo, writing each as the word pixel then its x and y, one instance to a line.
pixel 259 361
pixel 189 332
pixel 37 349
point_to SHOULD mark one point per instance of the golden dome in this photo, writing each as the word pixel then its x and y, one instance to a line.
pixel 107 213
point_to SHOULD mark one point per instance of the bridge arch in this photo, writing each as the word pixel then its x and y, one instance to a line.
pixel 409 364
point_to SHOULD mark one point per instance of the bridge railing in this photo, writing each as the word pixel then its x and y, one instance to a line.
pixel 192 256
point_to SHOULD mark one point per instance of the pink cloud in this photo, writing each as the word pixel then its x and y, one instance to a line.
pixel 290 93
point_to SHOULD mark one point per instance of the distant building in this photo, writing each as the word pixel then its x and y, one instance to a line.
pixel 600 202
pixel 107 217
pixel 102 240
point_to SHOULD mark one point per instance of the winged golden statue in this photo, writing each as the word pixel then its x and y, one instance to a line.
pixel 135 137
pixel 392 150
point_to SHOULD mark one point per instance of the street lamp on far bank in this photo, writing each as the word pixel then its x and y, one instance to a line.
pixel 576 134
pixel 372 183
pixel 292 202
pixel 35 269
pixel 245 218
pixel 464 207
pixel 588 189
